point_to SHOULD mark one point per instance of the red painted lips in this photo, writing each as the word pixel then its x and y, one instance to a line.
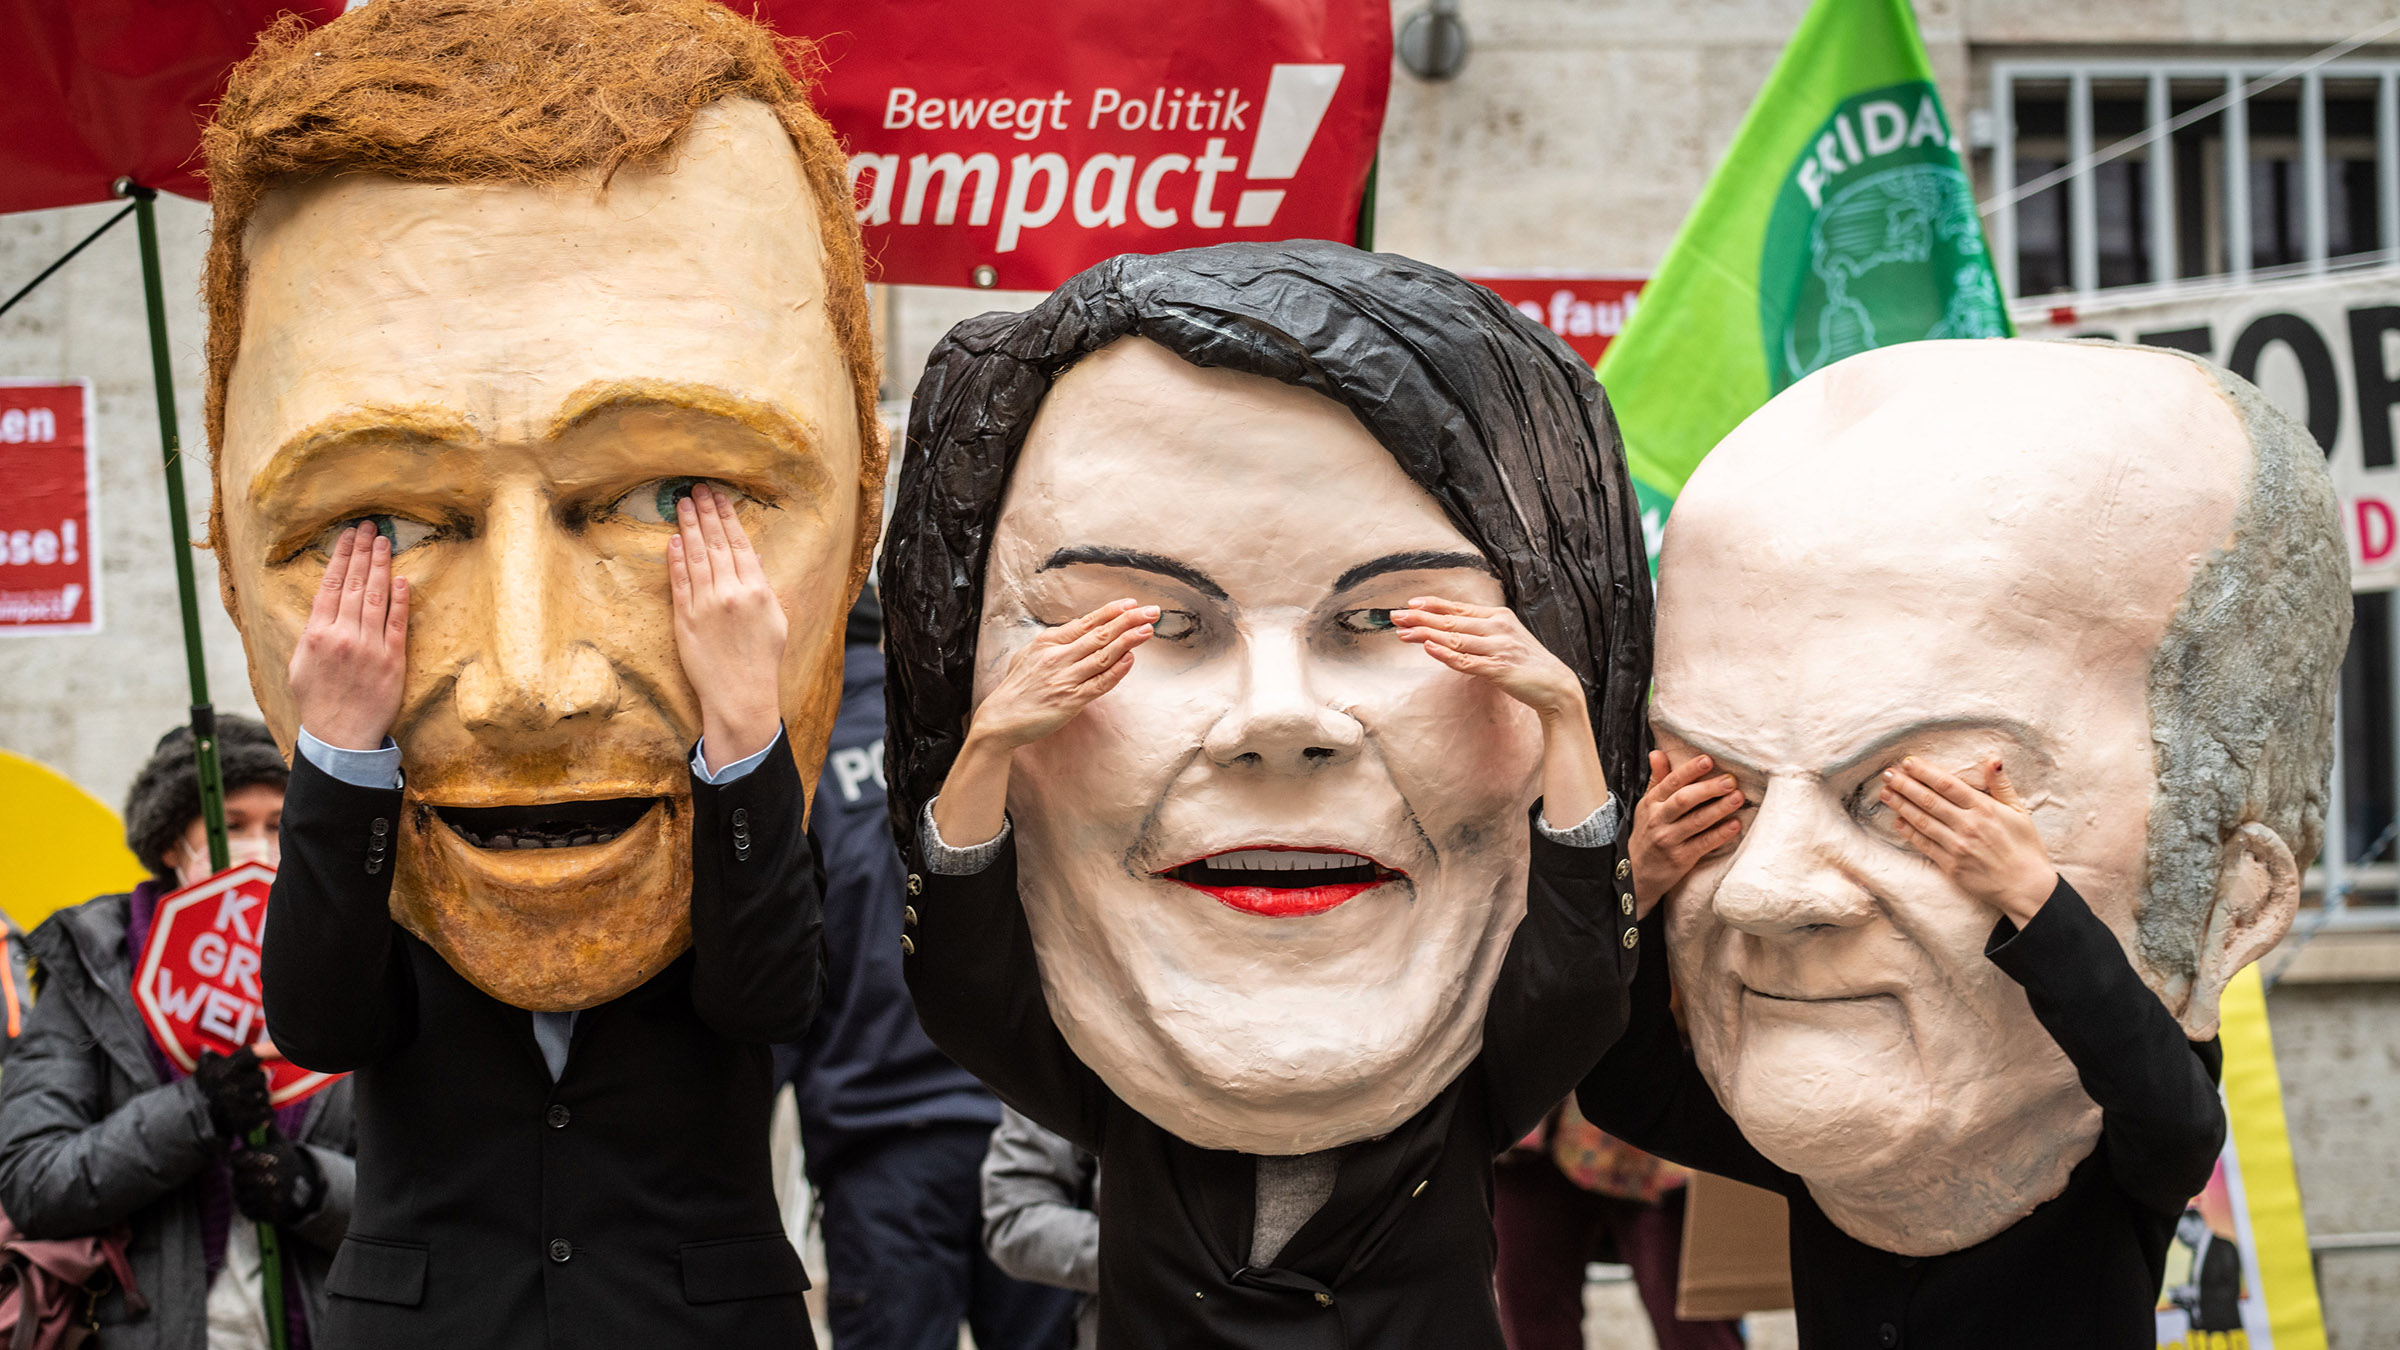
pixel 1281 881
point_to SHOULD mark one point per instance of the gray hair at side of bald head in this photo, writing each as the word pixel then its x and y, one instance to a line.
pixel 2243 683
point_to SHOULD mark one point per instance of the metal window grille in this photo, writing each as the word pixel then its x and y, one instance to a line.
pixel 2296 179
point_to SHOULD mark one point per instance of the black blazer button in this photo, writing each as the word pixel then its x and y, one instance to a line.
pixel 908 916
pixel 916 883
pixel 380 828
pixel 1625 902
pixel 560 1251
pixel 741 817
pixel 558 1116
pixel 1632 936
pixel 908 946
pixel 1887 1336
pixel 1624 869
pixel 374 866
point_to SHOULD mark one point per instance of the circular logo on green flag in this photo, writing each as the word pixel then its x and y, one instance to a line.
pixel 1874 239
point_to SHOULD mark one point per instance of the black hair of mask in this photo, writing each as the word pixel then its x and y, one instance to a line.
pixel 1482 406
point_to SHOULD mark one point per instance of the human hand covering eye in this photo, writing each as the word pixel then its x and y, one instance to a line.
pixel 348 668
pixel 1685 815
pixel 729 627
pixel 1489 643
pixel 1984 840
pixel 1049 681
pixel 1058 674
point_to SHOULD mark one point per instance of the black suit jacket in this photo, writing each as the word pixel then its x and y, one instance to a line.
pixel 1401 1253
pixel 2083 1269
pixel 629 1203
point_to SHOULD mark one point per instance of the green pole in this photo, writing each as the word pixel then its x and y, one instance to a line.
pixel 170 441
pixel 1366 207
pixel 204 715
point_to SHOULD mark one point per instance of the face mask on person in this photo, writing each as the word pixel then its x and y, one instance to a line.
pixel 253 833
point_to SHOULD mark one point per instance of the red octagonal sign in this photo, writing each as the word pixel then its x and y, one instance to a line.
pixel 198 985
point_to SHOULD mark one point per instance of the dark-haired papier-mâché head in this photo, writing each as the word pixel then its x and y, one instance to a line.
pixel 1257 420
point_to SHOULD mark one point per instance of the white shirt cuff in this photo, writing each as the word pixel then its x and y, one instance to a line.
pixel 358 768
pixel 943 860
pixel 740 768
pixel 1597 830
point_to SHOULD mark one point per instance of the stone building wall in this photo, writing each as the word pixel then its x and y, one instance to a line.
pixel 92 705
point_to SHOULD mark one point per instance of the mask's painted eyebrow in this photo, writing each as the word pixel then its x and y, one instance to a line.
pixel 423 431
pixel 1724 760
pixel 1881 744
pixel 1420 560
pixel 1098 555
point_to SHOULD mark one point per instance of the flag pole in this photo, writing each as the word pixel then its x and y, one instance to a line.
pixel 204 714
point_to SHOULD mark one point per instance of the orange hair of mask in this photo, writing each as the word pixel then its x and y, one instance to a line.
pixel 526 91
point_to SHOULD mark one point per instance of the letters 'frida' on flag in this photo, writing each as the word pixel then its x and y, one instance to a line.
pixel 1840 220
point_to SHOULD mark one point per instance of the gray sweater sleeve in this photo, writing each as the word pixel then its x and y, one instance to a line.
pixel 1035 1225
pixel 68 1166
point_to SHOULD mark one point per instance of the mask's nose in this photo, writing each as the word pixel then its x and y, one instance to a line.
pixel 1787 875
pixel 1277 720
pixel 533 669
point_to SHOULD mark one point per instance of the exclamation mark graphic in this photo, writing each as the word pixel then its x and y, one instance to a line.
pixel 1297 97
pixel 66 531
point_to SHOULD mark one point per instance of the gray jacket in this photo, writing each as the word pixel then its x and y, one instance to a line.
pixel 90 1137
pixel 1041 1217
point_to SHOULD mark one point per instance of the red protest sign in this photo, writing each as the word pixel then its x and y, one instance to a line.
pixel 197 984
pixel 49 577
pixel 1016 145
pixel 1586 310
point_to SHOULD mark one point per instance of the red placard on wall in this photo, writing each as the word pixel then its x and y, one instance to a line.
pixel 1016 145
pixel 1586 310
pixel 49 571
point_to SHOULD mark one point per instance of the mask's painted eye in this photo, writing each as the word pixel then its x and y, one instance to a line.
pixel 403 533
pixel 1175 624
pixel 1363 620
pixel 1867 808
pixel 653 503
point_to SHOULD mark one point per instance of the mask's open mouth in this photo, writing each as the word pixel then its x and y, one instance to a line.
pixel 1283 882
pixel 546 824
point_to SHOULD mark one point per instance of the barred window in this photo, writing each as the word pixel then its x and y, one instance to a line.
pixel 2297 178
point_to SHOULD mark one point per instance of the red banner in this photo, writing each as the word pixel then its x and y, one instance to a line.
pixel 99 89
pixel 1016 145
pixel 197 986
pixel 47 569
pixel 1585 310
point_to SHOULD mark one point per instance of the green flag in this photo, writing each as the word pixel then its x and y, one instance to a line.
pixel 1840 220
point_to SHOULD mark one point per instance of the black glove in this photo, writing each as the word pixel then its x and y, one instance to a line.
pixel 236 1090
pixel 277 1181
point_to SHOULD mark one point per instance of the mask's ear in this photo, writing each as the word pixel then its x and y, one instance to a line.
pixel 2258 893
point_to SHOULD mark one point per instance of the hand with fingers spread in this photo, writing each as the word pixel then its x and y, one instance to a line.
pixel 1489 643
pixel 1687 814
pixel 1049 681
pixel 1983 839
pixel 349 666
pixel 729 627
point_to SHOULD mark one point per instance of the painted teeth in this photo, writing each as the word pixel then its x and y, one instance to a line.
pixel 1283 860
pixel 509 841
